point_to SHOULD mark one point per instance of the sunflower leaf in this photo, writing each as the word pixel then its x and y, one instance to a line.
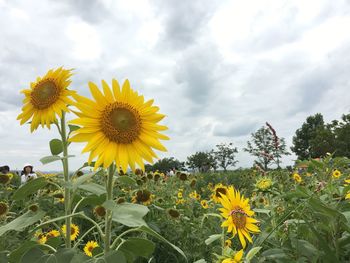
pixel 56 146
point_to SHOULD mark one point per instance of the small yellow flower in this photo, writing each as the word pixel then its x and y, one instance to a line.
pixel 218 190
pixel 41 237
pixel 264 183
pixel 336 173
pixel 53 233
pixel 297 178
pixel 89 247
pixel 347 196
pixel 237 258
pixel 204 204
pixel 179 195
pixel 228 243
pixel 74 231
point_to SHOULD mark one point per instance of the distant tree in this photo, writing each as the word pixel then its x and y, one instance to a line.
pixel 267 147
pixel 303 136
pixel 166 164
pixel 341 130
pixel 203 161
pixel 225 155
pixel 323 142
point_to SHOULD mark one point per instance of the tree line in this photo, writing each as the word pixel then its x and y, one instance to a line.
pixel 314 139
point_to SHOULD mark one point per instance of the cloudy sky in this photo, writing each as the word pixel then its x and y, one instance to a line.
pixel 218 69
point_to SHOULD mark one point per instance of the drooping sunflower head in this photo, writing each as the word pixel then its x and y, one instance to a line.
pixel 33 207
pixel 4 208
pixel 89 247
pixel 74 231
pixel 174 213
pixel 183 176
pixel 118 125
pixel 99 211
pixel 336 173
pixel 47 97
pixel 218 191
pixel 238 215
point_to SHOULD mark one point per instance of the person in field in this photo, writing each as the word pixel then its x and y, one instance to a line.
pixel 27 174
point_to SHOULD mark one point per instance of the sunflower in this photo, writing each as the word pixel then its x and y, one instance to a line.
pixel 180 194
pixel 4 208
pixel 33 207
pixel 47 97
pixel 118 126
pixel 195 195
pixel 236 210
pixel 142 196
pixel 297 178
pixel 336 173
pixel 237 258
pixel 204 204
pixel 4 178
pixel 99 211
pixel 218 190
pixel 41 237
pixel 228 243
pixel 264 183
pixel 74 231
pixel 53 233
pixel 174 213
pixel 347 196
pixel 89 247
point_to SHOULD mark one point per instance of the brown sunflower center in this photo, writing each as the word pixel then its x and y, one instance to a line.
pixel 239 217
pixel 90 248
pixel 72 230
pixel 220 191
pixel 45 94
pixel 3 208
pixel 143 196
pixel 121 123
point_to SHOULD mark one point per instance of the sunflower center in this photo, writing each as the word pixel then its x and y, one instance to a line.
pixel 90 248
pixel 45 94
pixel 220 191
pixel 143 196
pixel 72 231
pixel 121 123
pixel 239 217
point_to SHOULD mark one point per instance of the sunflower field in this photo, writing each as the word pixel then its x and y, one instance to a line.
pixel 111 210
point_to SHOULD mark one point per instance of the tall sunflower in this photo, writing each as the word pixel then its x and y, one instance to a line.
pixel 118 125
pixel 47 97
pixel 237 214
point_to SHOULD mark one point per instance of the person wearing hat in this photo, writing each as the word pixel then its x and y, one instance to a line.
pixel 27 173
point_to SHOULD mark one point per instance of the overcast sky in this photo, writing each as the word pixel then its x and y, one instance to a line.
pixel 218 69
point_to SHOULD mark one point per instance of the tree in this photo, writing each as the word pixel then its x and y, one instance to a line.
pixel 341 130
pixel 203 161
pixel 166 164
pixel 267 147
pixel 225 155
pixel 303 136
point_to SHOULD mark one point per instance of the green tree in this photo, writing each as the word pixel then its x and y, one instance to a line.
pixel 225 155
pixel 341 130
pixel 303 136
pixel 166 164
pixel 267 147
pixel 203 161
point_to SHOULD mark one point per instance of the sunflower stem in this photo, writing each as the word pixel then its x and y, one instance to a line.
pixel 67 204
pixel 108 217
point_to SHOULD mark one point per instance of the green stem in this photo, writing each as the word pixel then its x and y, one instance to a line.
pixel 108 217
pixel 67 203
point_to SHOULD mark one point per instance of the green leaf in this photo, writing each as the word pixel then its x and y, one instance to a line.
pixel 57 219
pixel 126 180
pixel 31 187
pixel 252 253
pixel 65 255
pixel 200 261
pixel 73 128
pixel 137 247
pixel 33 255
pixel 16 254
pixel 262 211
pixel 56 146
pixel 153 233
pixel 21 222
pixel 50 159
pixel 82 179
pixel 274 253
pixel 93 188
pixel 127 214
pixel 212 238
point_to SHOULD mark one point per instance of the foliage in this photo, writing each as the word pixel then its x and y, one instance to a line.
pixel 225 155
pixel 165 165
pixel 203 161
pixel 267 147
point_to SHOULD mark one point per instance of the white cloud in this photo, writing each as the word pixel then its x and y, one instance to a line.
pixel 218 70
